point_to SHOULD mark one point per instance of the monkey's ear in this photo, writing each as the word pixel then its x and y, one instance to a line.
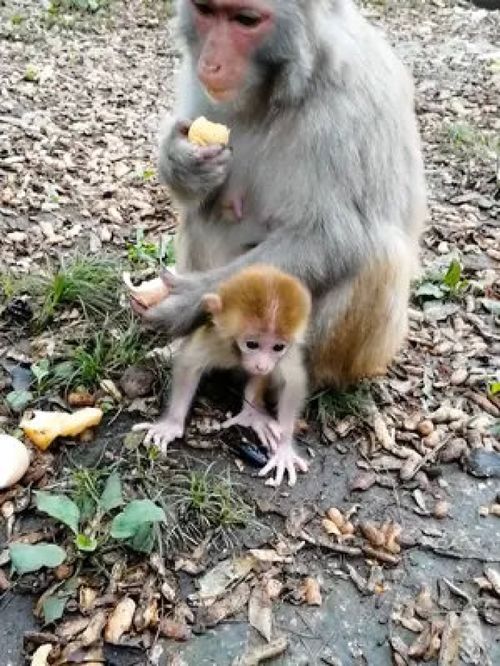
pixel 212 303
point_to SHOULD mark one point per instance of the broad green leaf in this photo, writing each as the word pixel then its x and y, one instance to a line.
pixel 430 290
pixel 53 608
pixel 59 507
pixel 41 369
pixel 144 539
pixel 86 543
pixel 18 400
pixel 63 370
pixel 453 275
pixel 112 496
pixel 494 388
pixel 26 557
pixel 138 512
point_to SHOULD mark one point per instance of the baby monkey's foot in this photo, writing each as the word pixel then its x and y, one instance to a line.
pixel 160 433
pixel 267 429
pixel 285 459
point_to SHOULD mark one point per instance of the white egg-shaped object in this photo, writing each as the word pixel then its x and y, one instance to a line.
pixel 14 460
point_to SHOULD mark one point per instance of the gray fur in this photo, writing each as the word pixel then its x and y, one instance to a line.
pixel 325 152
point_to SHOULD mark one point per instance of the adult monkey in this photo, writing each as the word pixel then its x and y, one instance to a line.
pixel 324 178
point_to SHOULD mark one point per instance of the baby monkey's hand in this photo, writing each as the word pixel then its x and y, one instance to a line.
pixel 284 459
pixel 161 433
pixel 267 429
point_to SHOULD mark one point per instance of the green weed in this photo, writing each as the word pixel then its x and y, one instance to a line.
pixel 142 251
pixel 448 284
pixel 206 500
pixel 90 283
pixel 339 404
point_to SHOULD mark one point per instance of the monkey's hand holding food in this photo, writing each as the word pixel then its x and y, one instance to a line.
pixel 192 170
pixel 43 428
pixel 161 433
pixel 285 459
pixel 267 429
pixel 178 313
pixel 205 133
pixel 148 293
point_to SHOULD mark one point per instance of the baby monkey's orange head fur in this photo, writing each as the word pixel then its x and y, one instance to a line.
pixel 262 310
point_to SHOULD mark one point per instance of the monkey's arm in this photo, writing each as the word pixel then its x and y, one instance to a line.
pixel 318 254
pixel 192 172
pixel 290 403
pixel 253 414
pixel 186 376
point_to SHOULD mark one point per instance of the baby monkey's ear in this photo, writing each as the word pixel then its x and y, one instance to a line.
pixel 212 303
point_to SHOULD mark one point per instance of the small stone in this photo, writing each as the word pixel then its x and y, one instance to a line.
pixel 425 428
pixel 441 510
pixel 17 237
pixel 459 377
pixel 137 382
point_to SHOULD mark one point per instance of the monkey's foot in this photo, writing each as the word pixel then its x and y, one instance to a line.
pixel 284 460
pixel 267 429
pixel 161 433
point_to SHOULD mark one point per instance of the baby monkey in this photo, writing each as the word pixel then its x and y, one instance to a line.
pixel 258 320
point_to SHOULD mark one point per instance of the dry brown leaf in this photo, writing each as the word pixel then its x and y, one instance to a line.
pixel 41 655
pixel 312 592
pixel 231 604
pixel 94 629
pixel 177 631
pixel 372 534
pixel 257 655
pixel 260 613
pixel 120 620
pixel 71 628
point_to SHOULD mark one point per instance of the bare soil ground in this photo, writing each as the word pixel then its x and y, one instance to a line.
pixel 81 95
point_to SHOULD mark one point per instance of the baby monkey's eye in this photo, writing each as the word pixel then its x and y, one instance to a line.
pixel 252 344
pixel 279 348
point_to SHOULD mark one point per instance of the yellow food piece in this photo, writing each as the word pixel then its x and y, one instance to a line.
pixel 205 133
pixel 148 293
pixel 43 428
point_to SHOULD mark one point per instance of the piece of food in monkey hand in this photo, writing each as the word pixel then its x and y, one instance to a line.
pixel 205 133
pixel 148 293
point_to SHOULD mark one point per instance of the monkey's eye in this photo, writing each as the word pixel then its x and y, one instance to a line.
pixel 248 18
pixel 203 7
pixel 252 344
pixel 279 348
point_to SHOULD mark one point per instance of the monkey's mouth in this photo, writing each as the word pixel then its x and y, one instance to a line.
pixel 219 95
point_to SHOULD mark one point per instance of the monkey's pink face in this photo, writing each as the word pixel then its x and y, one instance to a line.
pixel 260 353
pixel 229 31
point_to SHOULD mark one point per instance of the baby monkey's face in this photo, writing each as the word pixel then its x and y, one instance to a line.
pixel 260 352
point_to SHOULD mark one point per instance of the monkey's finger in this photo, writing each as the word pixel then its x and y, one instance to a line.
pixel 292 474
pixel 229 422
pixel 209 152
pixel 138 427
pixel 301 464
pixel 267 468
pixel 280 472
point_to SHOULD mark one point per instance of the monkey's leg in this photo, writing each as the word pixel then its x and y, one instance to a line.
pixel 291 400
pixel 253 415
pixel 185 379
pixel 359 328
